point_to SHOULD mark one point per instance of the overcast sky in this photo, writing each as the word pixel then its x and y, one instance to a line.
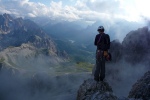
pixel 88 10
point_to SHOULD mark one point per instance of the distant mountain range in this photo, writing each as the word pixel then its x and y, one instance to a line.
pixel 79 41
pixel 14 32
pixel 82 33
pixel 83 36
pixel 69 39
pixel 22 40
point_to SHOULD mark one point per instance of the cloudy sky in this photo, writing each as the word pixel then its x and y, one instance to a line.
pixel 88 10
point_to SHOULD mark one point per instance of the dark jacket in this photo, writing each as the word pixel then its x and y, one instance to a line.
pixel 102 41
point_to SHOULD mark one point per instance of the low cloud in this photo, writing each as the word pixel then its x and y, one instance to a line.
pixel 30 9
pixel 74 10
pixel 122 75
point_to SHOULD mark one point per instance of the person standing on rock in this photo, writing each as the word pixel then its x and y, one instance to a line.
pixel 102 41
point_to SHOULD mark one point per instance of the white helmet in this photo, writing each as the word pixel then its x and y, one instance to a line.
pixel 100 28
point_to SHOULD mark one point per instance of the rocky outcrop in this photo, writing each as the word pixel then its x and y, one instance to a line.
pixel 116 50
pixel 136 46
pixel 92 90
pixel 141 89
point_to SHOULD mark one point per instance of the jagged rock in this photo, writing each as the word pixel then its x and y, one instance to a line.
pixel 141 89
pixel 92 90
pixel 116 50
pixel 136 46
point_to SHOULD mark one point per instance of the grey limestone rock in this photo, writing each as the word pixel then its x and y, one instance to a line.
pixel 92 90
pixel 141 89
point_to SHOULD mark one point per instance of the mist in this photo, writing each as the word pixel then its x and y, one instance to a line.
pixel 122 75
pixel 39 86
pixel 26 75
pixel 43 85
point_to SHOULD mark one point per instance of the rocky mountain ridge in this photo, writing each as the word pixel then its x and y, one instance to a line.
pixel 28 59
pixel 14 32
pixel 134 48
pixel 92 90
pixel 22 40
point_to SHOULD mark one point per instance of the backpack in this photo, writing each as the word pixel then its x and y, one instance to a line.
pixel 104 42
pixel 107 40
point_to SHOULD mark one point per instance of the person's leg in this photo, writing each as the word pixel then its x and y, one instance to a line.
pixel 97 71
pixel 102 69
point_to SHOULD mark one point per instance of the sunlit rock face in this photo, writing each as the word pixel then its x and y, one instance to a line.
pixel 92 90
pixel 141 89
pixel 24 44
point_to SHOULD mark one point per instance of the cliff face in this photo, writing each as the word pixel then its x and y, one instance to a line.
pixel 136 45
pixel 141 89
pixel 134 48
pixel 5 23
pixel 116 50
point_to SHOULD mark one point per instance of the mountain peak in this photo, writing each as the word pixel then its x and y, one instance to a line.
pixel 7 16
pixel 15 32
